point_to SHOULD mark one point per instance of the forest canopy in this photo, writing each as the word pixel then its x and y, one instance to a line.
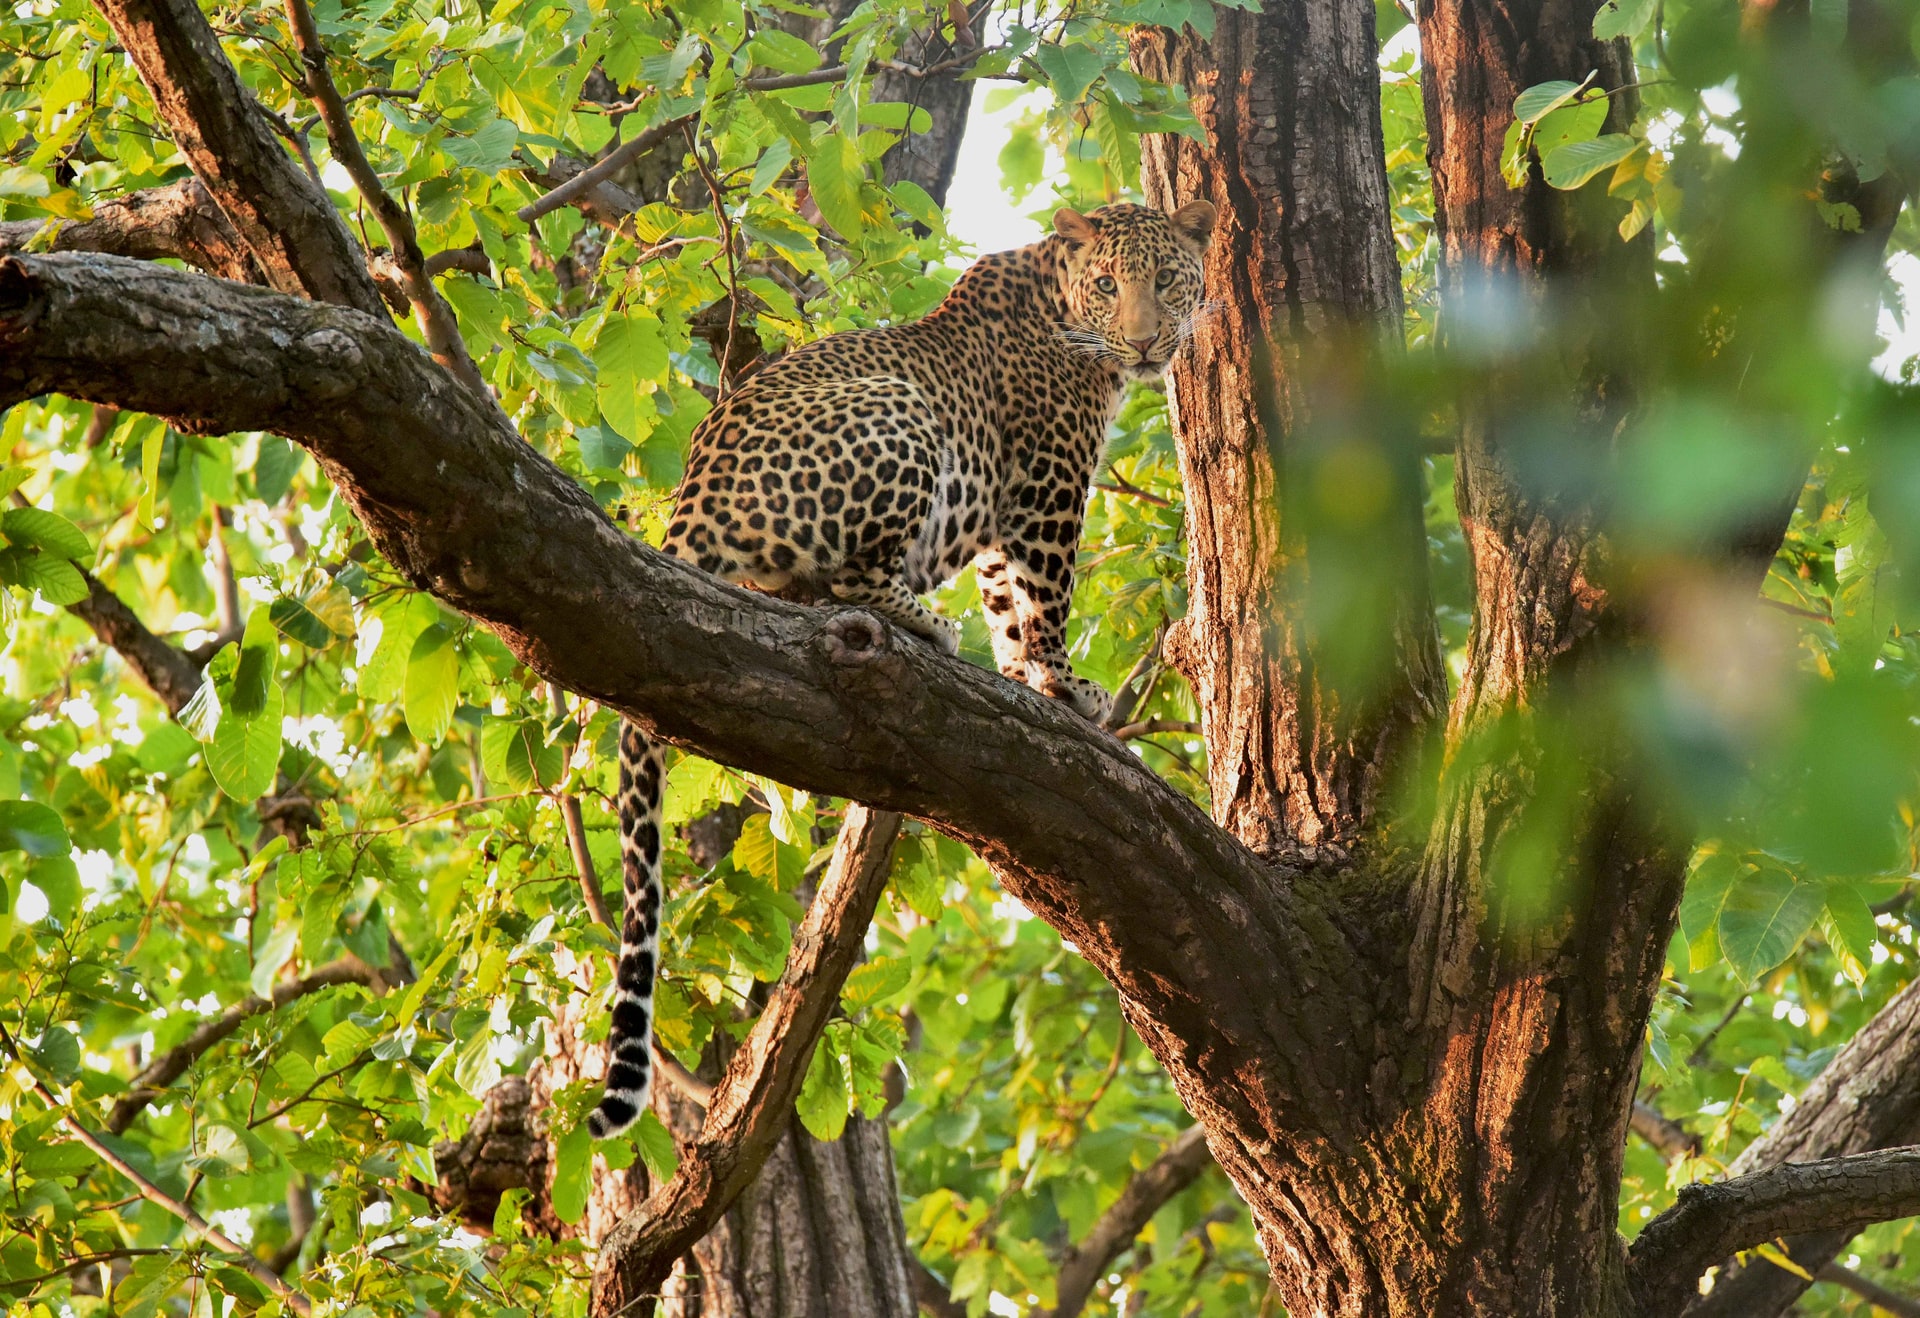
pixel 298 862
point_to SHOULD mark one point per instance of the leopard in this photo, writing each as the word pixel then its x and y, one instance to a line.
pixel 870 466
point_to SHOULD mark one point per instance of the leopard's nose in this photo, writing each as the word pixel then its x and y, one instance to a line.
pixel 1143 346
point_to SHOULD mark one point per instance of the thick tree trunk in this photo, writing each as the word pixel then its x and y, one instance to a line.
pixel 1473 1167
pixel 818 1235
pixel 1303 721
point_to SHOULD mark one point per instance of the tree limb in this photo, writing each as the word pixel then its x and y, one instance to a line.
pixel 605 168
pixel 1713 1221
pixel 753 1102
pixel 933 1296
pixel 1146 1194
pixel 1868 1097
pixel 172 1064
pixel 1667 1137
pixel 169 673
pixel 177 221
pixel 1870 1290
pixel 430 310
pixel 284 217
pixel 154 1194
pixel 827 699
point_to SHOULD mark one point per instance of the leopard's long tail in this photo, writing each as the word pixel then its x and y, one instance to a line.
pixel 630 1041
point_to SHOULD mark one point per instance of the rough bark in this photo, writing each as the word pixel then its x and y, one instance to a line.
pixel 1867 1098
pixel 1290 99
pixel 283 216
pixel 178 220
pixel 1712 1221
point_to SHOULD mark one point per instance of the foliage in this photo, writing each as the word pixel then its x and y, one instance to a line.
pixel 149 872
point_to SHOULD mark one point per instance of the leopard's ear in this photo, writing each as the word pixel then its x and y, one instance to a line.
pixel 1194 222
pixel 1074 227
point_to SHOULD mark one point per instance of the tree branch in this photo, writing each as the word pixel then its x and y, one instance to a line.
pixel 1711 1222
pixel 177 221
pixel 430 310
pixel 1868 1097
pixel 608 165
pixel 1668 1138
pixel 933 1296
pixel 154 1194
pixel 169 673
pixel 284 217
pixel 172 1064
pixel 1870 1290
pixel 1146 1194
pixel 753 1102
pixel 827 699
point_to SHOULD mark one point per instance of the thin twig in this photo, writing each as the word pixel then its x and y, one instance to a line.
pixel 1118 484
pixel 430 310
pixel 609 165
pixel 1146 727
pixel 1870 1290
pixel 259 1271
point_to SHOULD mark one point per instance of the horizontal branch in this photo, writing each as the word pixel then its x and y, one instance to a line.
pixel 1867 1097
pixel 1146 1194
pixel 753 1102
pixel 172 1064
pixel 176 221
pixel 824 698
pixel 1711 1222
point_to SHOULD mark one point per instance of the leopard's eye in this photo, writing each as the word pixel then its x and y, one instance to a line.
pixel 1164 280
pixel 1106 285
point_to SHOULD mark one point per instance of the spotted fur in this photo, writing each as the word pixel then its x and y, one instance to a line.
pixel 869 467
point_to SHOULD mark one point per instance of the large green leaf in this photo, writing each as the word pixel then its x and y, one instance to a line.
pixel 33 828
pixel 1766 915
pixel 57 580
pixel 433 684
pixel 1573 164
pixel 1623 18
pixel 834 173
pixel 628 353
pixel 516 754
pixel 50 533
pixel 245 751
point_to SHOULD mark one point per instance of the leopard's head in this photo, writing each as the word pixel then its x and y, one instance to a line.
pixel 1132 280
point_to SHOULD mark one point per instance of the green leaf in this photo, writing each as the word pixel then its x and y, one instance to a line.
pixel 58 880
pixel 266 966
pixel 1714 874
pixel 247 695
pixel 50 533
pixel 245 752
pixel 874 982
pixel 488 150
pixel 572 1173
pixel 1571 165
pixel 1071 70
pixel 1536 102
pixel 57 580
pixel 1623 18
pixel 629 351
pixel 783 51
pixel 834 173
pixel 822 1105
pixel 433 684
pixel 516 754
pixel 1850 926
pixel 1766 915
pixel 33 828
pixel 657 1149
